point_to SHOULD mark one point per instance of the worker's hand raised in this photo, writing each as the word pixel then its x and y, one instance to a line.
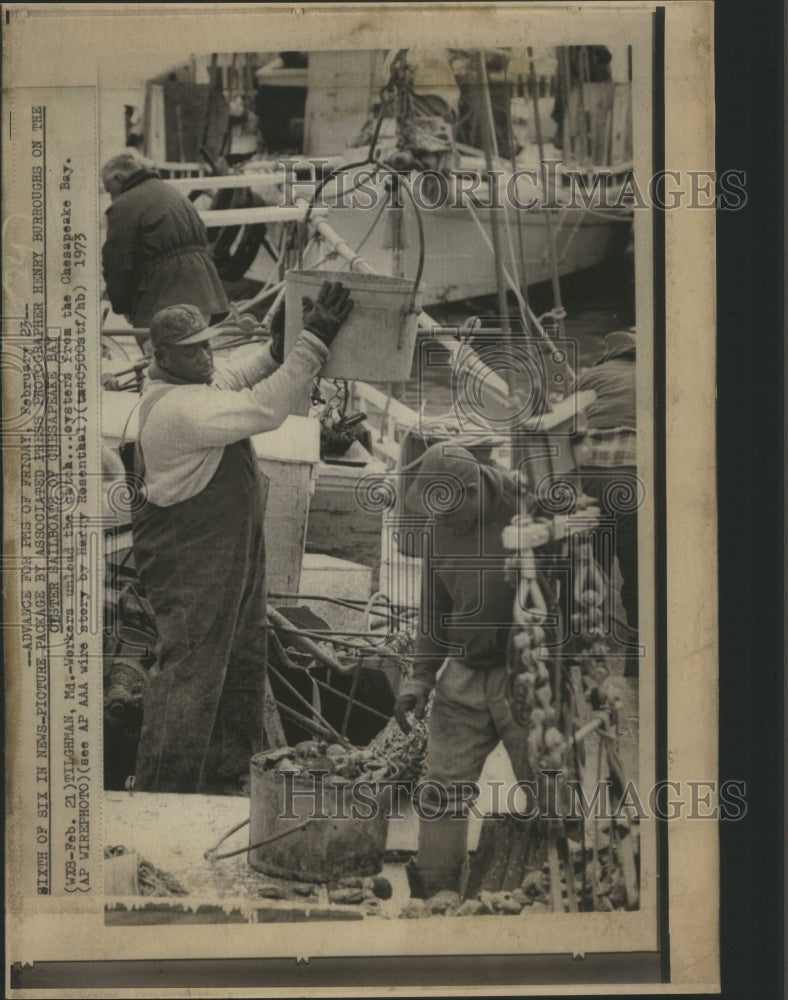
pixel 407 703
pixel 324 317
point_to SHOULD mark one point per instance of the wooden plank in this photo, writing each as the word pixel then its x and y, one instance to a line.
pixel 253 181
pixel 398 411
pixel 251 216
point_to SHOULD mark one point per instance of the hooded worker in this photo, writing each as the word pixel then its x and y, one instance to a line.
pixel 156 252
pixel 466 622
pixel 198 538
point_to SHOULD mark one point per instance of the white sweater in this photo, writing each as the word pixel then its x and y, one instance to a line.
pixel 185 431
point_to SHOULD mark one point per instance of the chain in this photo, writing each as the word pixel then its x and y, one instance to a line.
pixel 388 93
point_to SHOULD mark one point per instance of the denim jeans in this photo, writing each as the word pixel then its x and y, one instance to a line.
pixel 470 714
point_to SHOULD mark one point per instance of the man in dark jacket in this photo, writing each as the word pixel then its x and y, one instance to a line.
pixel 466 619
pixel 156 253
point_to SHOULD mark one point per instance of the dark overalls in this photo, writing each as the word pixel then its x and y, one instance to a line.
pixel 202 564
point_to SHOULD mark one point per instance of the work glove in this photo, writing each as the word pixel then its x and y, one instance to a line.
pixel 278 333
pixel 407 703
pixel 324 317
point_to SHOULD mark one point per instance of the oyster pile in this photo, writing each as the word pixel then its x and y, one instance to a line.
pixel 333 760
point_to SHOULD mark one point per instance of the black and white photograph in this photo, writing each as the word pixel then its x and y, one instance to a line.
pixel 346 603
pixel 279 606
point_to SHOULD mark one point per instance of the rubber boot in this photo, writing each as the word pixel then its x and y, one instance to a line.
pixel 439 864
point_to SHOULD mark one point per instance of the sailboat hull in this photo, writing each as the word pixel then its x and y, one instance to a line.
pixel 458 262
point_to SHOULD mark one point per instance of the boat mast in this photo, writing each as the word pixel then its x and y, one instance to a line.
pixel 558 308
pixel 522 271
pixel 489 145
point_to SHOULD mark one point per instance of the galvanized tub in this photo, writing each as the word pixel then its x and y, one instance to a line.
pixel 326 842
pixel 377 341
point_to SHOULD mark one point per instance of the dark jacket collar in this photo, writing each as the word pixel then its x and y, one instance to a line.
pixel 144 174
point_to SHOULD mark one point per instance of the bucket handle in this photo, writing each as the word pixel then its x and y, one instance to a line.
pixel 211 855
pixel 406 185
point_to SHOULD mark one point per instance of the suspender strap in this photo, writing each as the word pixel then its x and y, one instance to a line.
pixel 146 406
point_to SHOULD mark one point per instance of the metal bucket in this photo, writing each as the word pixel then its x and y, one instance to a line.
pixel 330 844
pixel 377 341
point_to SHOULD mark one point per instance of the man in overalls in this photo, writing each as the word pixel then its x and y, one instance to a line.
pixel 198 539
